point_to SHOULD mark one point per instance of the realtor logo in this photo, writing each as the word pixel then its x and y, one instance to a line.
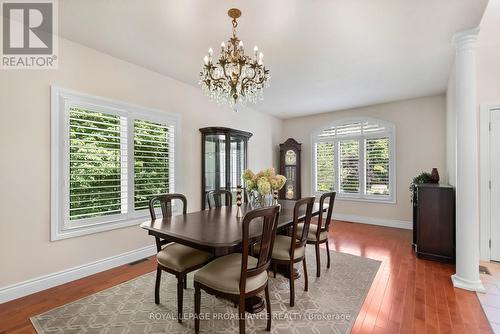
pixel 29 34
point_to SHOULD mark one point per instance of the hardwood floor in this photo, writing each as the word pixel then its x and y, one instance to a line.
pixel 408 295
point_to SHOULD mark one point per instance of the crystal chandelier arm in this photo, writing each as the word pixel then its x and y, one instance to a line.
pixel 252 78
pixel 210 73
pixel 224 71
pixel 210 80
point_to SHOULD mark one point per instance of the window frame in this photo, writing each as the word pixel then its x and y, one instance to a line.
pixel 389 132
pixel 61 102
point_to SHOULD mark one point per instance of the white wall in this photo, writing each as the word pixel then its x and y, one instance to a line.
pixel 488 92
pixel 451 131
pixel 488 55
pixel 488 73
pixel 25 249
pixel 420 146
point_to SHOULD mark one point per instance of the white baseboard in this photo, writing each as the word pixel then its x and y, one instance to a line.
pixel 374 221
pixel 459 282
pixel 36 284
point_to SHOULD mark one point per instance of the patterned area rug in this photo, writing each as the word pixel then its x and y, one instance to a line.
pixel 330 306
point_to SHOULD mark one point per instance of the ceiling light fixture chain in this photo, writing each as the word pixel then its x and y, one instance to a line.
pixel 235 78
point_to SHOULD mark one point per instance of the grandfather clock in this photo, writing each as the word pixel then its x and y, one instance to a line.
pixel 290 168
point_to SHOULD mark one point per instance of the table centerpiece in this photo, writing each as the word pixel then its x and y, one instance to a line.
pixel 260 187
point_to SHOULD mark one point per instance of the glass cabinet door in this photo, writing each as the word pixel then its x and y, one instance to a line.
pixel 237 155
pixel 215 162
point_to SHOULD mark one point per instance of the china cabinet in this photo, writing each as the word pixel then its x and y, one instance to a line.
pixel 223 159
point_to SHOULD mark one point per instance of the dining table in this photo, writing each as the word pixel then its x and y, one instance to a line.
pixel 219 230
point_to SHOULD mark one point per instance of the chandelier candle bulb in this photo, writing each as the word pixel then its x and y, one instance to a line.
pixel 205 59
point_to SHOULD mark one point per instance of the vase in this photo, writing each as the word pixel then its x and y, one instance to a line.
pixel 258 200
pixel 435 175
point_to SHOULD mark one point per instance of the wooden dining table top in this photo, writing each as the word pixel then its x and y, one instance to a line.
pixel 218 230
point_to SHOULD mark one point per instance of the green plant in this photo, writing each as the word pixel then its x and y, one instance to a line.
pixel 423 177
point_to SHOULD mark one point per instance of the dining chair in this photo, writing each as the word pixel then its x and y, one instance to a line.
pixel 287 250
pixel 175 258
pixel 318 234
pixel 237 277
pixel 215 196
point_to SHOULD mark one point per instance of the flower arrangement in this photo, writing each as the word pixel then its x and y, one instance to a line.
pixel 262 185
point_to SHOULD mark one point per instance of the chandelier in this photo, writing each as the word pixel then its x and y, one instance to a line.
pixel 235 78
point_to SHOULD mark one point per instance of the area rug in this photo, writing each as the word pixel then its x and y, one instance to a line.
pixel 330 306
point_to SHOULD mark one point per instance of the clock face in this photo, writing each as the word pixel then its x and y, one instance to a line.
pixel 290 158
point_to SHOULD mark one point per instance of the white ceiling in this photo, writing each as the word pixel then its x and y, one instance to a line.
pixel 323 55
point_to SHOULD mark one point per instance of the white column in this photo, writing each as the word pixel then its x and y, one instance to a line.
pixel 467 187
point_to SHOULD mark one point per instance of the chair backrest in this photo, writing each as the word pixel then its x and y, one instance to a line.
pixel 215 196
pixel 166 204
pixel 331 201
pixel 301 239
pixel 269 217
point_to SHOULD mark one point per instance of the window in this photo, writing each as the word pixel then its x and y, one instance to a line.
pixel 349 166
pixel 108 159
pixel 355 158
pixel 153 143
pixel 95 168
pixel 324 156
pixel 377 166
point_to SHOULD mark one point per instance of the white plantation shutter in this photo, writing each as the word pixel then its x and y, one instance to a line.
pixel 377 166
pixel 325 157
pixel 349 166
pixel 153 161
pixel 355 158
pixel 98 163
pixel 107 160
pixel 95 164
pixel 349 129
pixel 372 127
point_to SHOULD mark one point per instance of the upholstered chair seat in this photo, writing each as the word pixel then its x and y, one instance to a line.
pixel 223 274
pixel 311 236
pixel 178 257
pixel 281 249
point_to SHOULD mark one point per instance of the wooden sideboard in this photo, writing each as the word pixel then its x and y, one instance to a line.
pixel 434 222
